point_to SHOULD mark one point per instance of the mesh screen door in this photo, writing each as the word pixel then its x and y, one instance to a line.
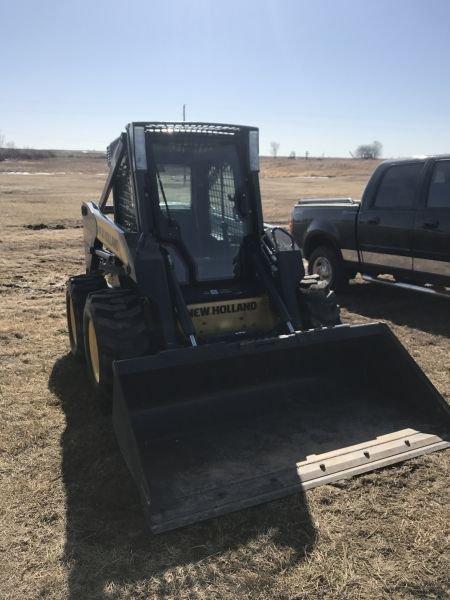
pixel 226 223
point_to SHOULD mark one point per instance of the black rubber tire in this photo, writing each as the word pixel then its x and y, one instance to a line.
pixel 339 276
pixel 78 289
pixel 322 309
pixel 121 331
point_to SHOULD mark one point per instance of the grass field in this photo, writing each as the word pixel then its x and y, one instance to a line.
pixel 70 519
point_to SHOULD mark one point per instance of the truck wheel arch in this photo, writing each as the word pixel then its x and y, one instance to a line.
pixel 320 239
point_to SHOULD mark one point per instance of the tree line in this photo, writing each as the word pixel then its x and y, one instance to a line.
pixel 364 151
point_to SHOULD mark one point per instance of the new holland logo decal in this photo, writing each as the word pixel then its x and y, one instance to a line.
pixel 224 316
pixel 222 309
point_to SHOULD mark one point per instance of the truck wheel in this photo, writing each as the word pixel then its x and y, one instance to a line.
pixel 114 329
pixel 322 309
pixel 327 264
pixel 77 290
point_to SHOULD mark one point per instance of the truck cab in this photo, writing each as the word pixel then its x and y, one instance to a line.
pixel 403 224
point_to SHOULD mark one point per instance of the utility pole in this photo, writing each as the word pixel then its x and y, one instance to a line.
pixel 184 168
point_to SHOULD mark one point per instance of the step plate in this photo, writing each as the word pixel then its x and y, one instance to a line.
pixel 422 289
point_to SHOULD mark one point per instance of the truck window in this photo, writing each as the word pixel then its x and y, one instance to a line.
pixel 398 186
pixel 439 192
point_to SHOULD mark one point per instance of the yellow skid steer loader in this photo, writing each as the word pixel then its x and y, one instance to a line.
pixel 233 380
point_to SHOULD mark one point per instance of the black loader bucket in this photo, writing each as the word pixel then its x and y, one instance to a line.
pixel 210 430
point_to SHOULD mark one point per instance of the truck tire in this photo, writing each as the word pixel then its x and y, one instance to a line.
pixel 77 290
pixel 114 329
pixel 326 262
pixel 320 307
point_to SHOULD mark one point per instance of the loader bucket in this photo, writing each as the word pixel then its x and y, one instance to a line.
pixel 210 430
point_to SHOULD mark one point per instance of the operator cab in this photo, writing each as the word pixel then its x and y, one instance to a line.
pixel 201 192
pixel 204 214
pixel 194 195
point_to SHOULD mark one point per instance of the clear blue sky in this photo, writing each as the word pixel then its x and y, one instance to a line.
pixel 322 76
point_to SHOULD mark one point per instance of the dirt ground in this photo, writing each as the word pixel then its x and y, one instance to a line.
pixel 70 519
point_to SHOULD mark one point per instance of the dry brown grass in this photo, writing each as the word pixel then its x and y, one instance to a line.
pixel 71 523
pixel 285 181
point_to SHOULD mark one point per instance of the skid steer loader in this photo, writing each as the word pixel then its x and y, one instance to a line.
pixel 233 380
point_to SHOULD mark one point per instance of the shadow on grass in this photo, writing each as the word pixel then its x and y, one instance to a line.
pixel 107 541
pixel 412 309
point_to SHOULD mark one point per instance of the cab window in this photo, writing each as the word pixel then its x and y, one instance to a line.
pixel 398 186
pixel 439 191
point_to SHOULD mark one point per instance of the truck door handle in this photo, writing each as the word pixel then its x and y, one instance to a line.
pixel 430 224
pixel 373 221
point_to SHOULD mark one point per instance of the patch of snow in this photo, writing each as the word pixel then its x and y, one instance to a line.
pixel 30 173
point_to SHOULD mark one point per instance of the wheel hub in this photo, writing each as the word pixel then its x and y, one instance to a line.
pixel 322 267
pixel 73 323
pixel 93 351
